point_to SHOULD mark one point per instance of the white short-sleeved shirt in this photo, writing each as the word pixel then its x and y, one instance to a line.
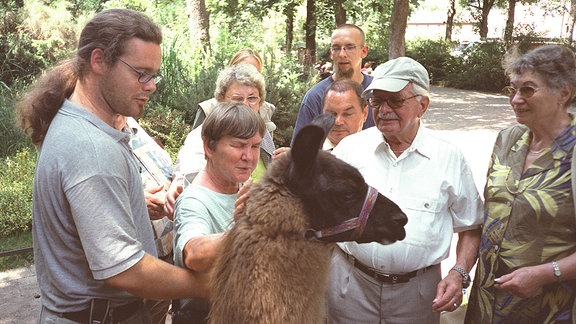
pixel 432 184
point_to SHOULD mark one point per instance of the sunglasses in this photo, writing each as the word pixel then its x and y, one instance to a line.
pixel 525 91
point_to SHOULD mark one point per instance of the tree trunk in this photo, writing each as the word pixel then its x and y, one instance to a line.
pixel 199 23
pixel 450 20
pixel 340 13
pixel 572 22
pixel 289 12
pixel 509 29
pixel 485 10
pixel 310 27
pixel 398 24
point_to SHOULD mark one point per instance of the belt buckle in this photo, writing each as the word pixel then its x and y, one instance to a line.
pixel 391 278
pixel 384 277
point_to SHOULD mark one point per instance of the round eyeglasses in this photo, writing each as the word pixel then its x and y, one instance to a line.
pixel 394 103
pixel 144 77
pixel 525 91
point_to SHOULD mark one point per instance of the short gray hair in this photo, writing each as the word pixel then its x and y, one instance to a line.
pixel 555 63
pixel 241 73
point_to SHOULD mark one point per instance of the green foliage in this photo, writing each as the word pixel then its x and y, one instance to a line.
pixel 481 67
pixel 478 66
pixel 16 242
pixel 287 83
pixel 13 139
pixel 16 178
pixel 168 127
pixel 435 56
pixel 179 90
pixel 33 37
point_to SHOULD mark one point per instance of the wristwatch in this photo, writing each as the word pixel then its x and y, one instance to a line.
pixel 556 268
pixel 464 274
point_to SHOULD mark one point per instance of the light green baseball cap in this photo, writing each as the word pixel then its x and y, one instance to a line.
pixel 395 74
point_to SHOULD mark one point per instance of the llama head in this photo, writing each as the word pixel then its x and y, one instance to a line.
pixel 335 194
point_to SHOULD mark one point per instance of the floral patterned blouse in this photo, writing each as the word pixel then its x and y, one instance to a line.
pixel 529 220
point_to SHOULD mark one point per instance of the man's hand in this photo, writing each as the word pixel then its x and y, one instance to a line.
pixel 155 198
pixel 449 293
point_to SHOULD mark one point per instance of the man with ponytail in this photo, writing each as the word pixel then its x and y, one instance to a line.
pixel 94 248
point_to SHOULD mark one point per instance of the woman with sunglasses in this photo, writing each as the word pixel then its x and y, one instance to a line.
pixel 526 271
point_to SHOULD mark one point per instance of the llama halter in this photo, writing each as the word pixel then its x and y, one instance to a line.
pixel 356 223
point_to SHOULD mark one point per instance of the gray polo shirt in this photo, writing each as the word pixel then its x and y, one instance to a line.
pixel 90 220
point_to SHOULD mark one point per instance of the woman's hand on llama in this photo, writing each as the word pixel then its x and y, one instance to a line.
pixel 279 151
pixel 176 188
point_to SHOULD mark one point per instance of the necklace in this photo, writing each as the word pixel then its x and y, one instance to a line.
pixel 518 191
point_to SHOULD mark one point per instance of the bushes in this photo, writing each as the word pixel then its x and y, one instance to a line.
pixel 435 56
pixel 12 139
pixel 481 68
pixel 287 81
pixel 477 67
pixel 16 178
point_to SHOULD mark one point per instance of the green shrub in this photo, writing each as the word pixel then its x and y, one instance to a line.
pixel 16 178
pixel 16 242
pixel 13 138
pixel 481 67
pixel 33 37
pixel 167 126
pixel 435 56
pixel 287 81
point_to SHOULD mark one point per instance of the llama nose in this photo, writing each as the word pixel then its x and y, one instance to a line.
pixel 400 218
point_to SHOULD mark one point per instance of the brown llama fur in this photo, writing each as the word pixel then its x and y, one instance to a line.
pixel 267 271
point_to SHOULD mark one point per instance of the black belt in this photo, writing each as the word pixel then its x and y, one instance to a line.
pixel 119 314
pixel 380 276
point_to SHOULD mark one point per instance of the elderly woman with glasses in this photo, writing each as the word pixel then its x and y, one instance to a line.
pixel 527 258
pixel 243 56
pixel 238 83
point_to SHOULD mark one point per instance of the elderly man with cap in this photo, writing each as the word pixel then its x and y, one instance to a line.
pixel 432 183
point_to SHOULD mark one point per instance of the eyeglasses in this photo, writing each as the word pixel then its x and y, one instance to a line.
pixel 349 49
pixel 251 100
pixel 394 103
pixel 525 91
pixel 144 77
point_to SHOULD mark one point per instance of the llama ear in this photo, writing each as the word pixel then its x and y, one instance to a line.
pixel 309 141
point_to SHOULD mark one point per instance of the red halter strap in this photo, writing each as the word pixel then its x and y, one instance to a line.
pixel 356 223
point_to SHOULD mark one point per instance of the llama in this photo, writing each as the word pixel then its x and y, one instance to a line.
pixel 273 265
